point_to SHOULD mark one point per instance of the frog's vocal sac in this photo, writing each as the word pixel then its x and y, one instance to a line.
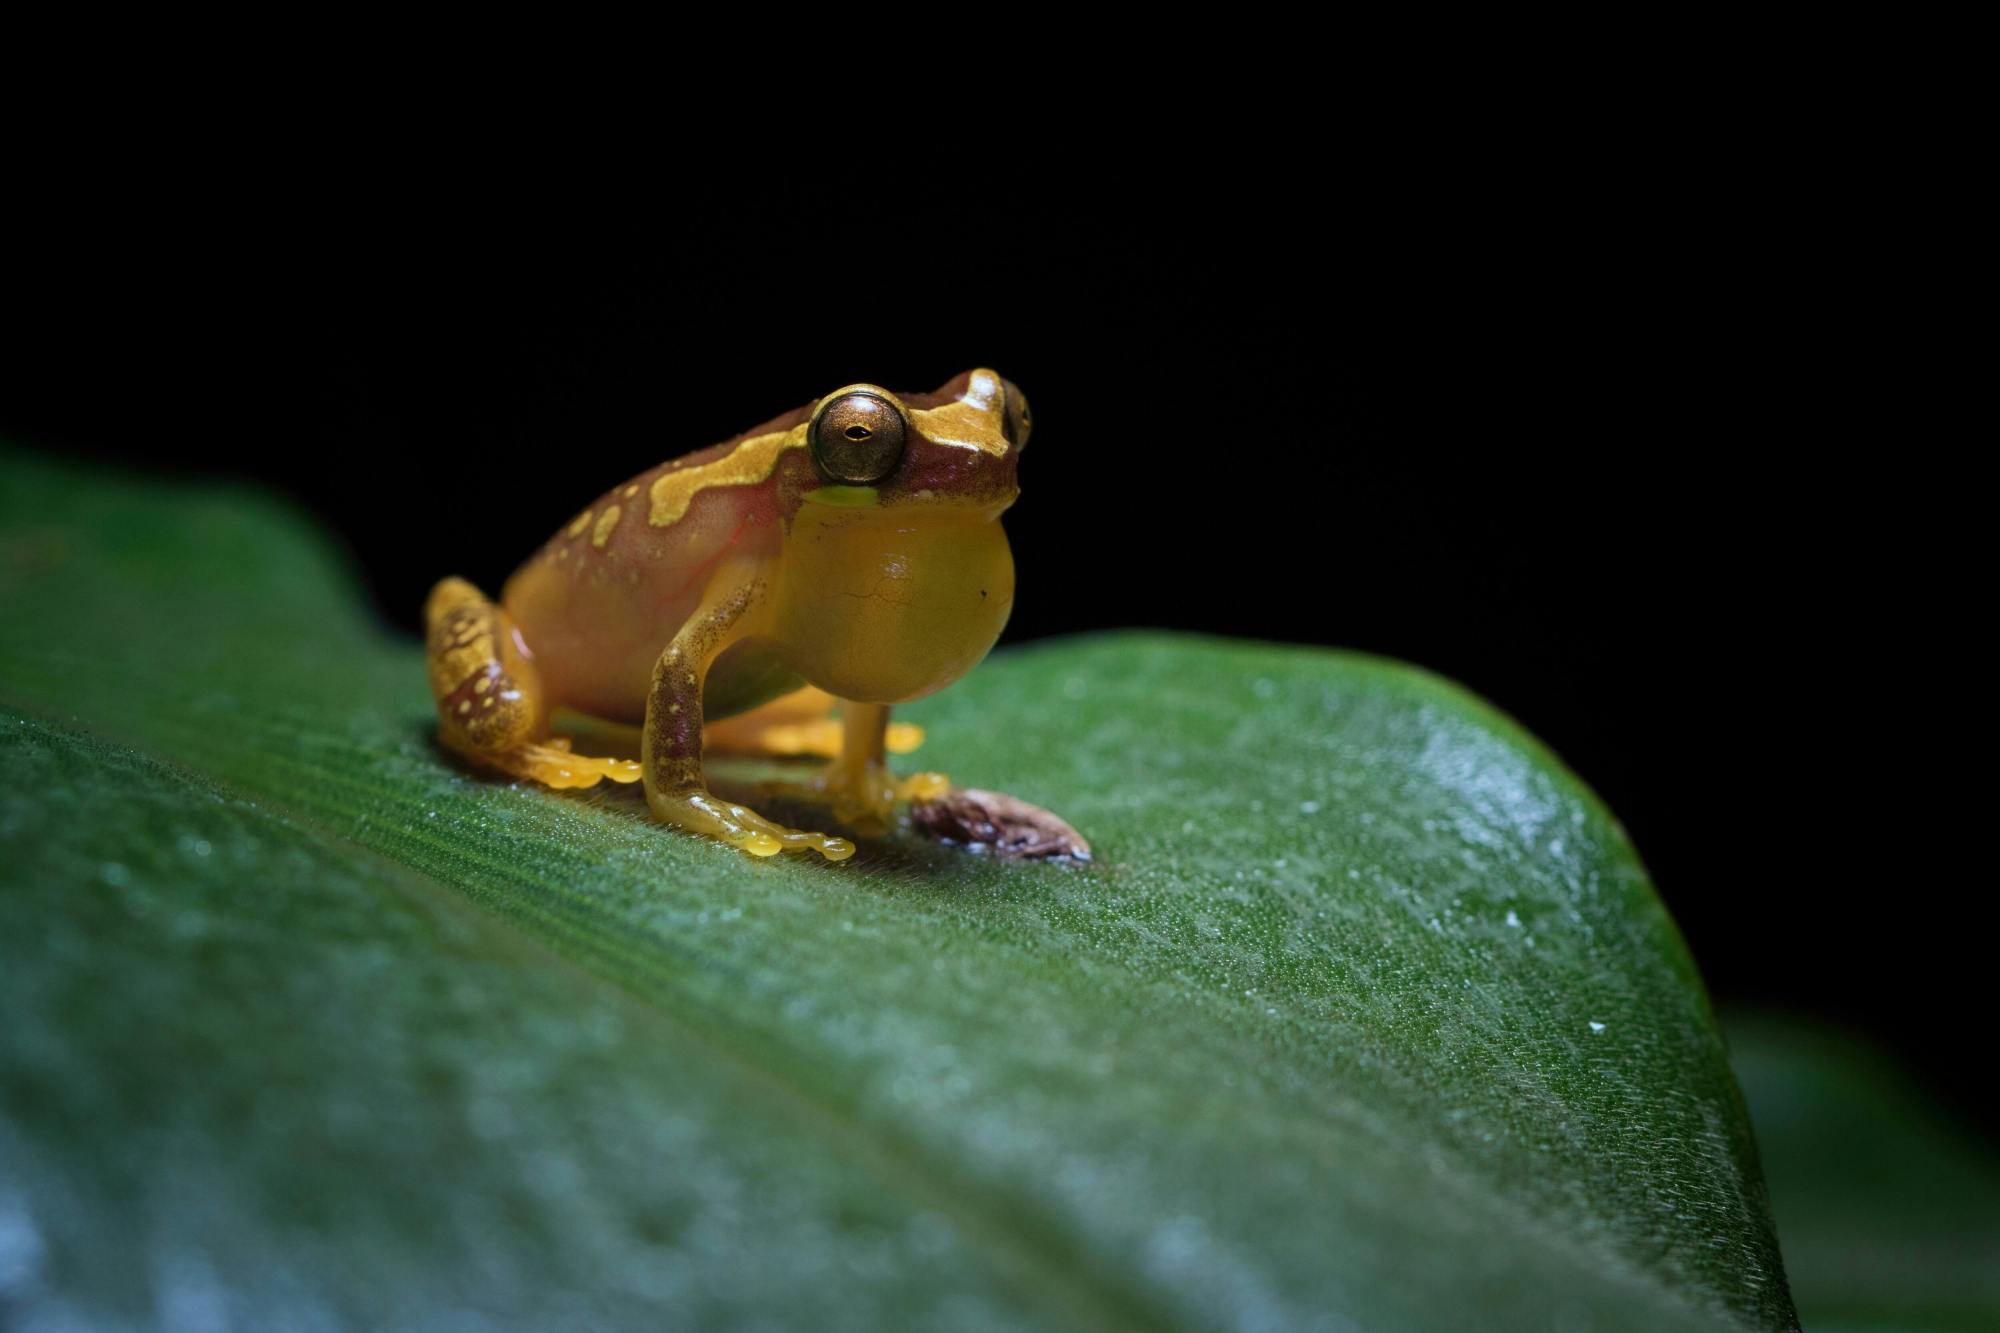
pixel 849 552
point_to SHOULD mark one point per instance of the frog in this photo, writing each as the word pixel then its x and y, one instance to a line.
pixel 842 558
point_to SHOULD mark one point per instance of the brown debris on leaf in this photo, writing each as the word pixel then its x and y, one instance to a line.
pixel 1003 826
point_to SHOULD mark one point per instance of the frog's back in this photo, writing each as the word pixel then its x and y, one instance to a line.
pixel 603 597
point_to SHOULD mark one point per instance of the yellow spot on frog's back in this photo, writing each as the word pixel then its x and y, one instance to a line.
pixel 582 522
pixel 631 491
pixel 974 421
pixel 748 463
pixel 604 526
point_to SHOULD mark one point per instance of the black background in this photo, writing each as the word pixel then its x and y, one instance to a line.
pixel 1565 455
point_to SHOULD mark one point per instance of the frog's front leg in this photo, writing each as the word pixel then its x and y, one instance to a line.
pixel 671 742
pixel 857 781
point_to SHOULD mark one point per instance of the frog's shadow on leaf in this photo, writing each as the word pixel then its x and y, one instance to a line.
pixel 904 856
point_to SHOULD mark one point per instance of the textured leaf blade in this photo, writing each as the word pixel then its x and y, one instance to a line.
pixel 1365 1017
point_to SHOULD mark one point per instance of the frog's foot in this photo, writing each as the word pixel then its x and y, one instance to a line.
pixel 551 763
pixel 697 811
pixel 863 796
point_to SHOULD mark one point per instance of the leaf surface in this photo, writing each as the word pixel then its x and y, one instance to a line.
pixel 1366 1015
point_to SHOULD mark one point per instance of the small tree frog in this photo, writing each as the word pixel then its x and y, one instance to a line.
pixel 849 551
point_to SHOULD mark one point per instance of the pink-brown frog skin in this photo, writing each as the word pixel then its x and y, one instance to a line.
pixel 848 552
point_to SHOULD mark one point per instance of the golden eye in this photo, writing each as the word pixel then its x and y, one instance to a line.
pixel 857 437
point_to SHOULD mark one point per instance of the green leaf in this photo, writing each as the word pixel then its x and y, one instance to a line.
pixel 1365 1017
pixel 1889 1207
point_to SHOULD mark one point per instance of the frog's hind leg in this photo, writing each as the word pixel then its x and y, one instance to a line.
pixel 489 696
pixel 797 724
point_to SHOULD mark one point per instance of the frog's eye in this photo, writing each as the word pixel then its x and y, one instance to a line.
pixel 857 437
pixel 1015 423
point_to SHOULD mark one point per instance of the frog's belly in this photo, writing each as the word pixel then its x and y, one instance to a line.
pixel 594 644
pixel 594 649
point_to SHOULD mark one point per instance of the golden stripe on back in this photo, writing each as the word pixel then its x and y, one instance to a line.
pixel 971 422
pixel 748 463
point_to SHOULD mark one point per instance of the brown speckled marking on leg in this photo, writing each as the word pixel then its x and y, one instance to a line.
pixel 489 697
pixel 673 732
pixel 671 741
